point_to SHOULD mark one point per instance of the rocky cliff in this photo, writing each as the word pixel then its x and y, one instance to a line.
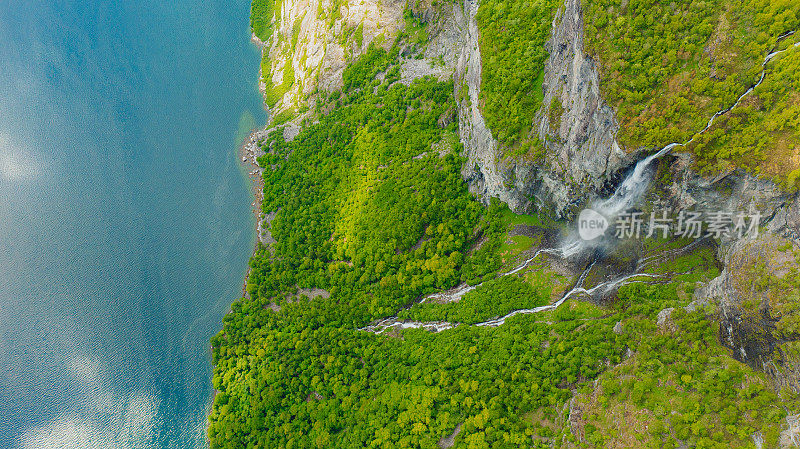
pixel 307 54
pixel 756 294
pixel 754 298
pixel 582 156
pixel 314 40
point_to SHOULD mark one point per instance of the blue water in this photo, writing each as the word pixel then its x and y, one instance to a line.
pixel 125 222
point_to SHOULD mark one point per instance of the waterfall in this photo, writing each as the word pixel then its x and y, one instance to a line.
pixel 629 192
pixel 634 186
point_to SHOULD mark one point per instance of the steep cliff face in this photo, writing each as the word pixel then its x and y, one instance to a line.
pixel 757 296
pixel 576 126
pixel 326 191
pixel 315 39
pixel 757 292
pixel 313 42
pixel 582 158
pixel 486 172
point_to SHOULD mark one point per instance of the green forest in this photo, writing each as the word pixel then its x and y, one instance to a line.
pixel 370 207
pixel 492 299
pixel 512 40
pixel 667 67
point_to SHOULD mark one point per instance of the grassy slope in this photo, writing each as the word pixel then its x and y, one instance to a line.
pixel 668 66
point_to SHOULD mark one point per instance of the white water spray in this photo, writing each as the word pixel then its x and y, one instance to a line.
pixel 627 194
pixel 633 188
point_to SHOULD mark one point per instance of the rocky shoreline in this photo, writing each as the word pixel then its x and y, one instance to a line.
pixel 248 155
pixel 249 152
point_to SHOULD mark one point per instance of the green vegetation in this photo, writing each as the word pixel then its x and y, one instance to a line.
pixel 365 213
pixel 680 389
pixel 415 32
pixel 521 219
pixel 491 299
pixel 679 386
pixel 668 66
pixel 369 205
pixel 274 93
pixel 556 111
pixel 361 72
pixel 763 133
pixel 262 13
pixel 294 385
pixel 515 245
pixel 358 213
pixel 512 40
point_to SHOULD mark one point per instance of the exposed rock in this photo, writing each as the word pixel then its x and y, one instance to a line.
pixel 790 437
pixel 314 45
pixel 582 156
pixel 701 301
pixel 450 440
pixel 290 131
pixel 664 320
pixel 263 228
pixel 315 396
pixel 758 439
pixel 582 151
pixel 483 171
pixel 618 328
pixel 759 303
pixel 575 418
pixel 733 192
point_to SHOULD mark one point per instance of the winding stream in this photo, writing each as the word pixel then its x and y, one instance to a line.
pixel 627 194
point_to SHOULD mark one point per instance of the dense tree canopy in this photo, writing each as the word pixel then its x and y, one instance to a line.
pixel 512 40
pixel 369 205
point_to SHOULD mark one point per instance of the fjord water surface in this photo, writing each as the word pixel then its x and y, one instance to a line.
pixel 125 222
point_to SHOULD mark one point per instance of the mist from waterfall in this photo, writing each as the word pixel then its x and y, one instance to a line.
pixel 627 195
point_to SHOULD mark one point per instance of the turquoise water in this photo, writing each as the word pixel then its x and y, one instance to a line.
pixel 125 222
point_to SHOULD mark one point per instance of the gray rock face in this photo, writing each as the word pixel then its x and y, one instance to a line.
pixel 582 152
pixel 755 297
pixel 487 175
pixel 734 192
pixel 746 312
pixel 790 437
pixel 664 319
pixel 730 191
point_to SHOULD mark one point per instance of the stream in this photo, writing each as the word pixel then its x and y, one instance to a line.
pixel 627 194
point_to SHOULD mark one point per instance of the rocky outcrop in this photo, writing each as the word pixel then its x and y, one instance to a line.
pixel 733 191
pixel 485 171
pixel 314 44
pixel 582 154
pixel 757 295
pixel 318 42
pixel 577 126
pixel 758 302
pixel 790 437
